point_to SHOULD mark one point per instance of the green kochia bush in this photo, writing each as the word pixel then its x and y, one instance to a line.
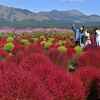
pixel 1 34
pixel 62 49
pixel 10 39
pixel 9 47
pixel 78 50
pixel 47 44
pixel 61 42
pixel 25 42
pixel 10 34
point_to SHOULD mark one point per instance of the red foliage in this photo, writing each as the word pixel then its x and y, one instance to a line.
pixel 90 58
pixel 34 73
pixel 29 62
pixel 31 86
pixel 88 75
pixel 58 58
pixel 65 87
pixel 59 83
pixel 2 42
pixel 34 48
pixel 3 53
pixel 17 47
pixel 71 52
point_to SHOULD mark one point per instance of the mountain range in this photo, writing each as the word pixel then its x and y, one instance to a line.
pixel 16 17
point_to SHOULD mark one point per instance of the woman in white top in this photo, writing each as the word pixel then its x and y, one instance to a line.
pixel 87 38
pixel 98 37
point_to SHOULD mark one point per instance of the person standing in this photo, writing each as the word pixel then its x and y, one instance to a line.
pixel 87 38
pixel 76 34
pixel 82 37
pixel 98 37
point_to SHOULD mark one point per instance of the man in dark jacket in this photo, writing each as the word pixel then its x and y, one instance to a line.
pixel 79 35
pixel 76 35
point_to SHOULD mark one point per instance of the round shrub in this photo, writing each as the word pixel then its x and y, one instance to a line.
pixel 57 57
pixel 8 47
pixel 62 49
pixel 61 42
pixel 88 75
pixel 63 86
pixel 89 58
pixel 25 42
pixel 1 34
pixel 10 39
pixel 51 39
pixel 47 44
pixel 78 50
pixel 10 34
pixel 3 54
pixel 29 62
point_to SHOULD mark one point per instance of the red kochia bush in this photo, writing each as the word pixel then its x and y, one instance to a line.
pixel 21 53
pixel 7 73
pixel 71 52
pixel 34 48
pixel 98 87
pixel 58 82
pixel 2 42
pixel 32 86
pixel 3 53
pixel 65 87
pixel 89 75
pixel 89 58
pixel 18 84
pixel 61 59
pixel 29 62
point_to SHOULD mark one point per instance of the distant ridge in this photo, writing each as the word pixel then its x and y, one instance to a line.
pixel 16 17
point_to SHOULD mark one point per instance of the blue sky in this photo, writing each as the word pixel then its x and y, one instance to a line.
pixel 86 6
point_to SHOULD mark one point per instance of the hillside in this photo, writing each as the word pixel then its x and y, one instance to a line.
pixel 16 17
